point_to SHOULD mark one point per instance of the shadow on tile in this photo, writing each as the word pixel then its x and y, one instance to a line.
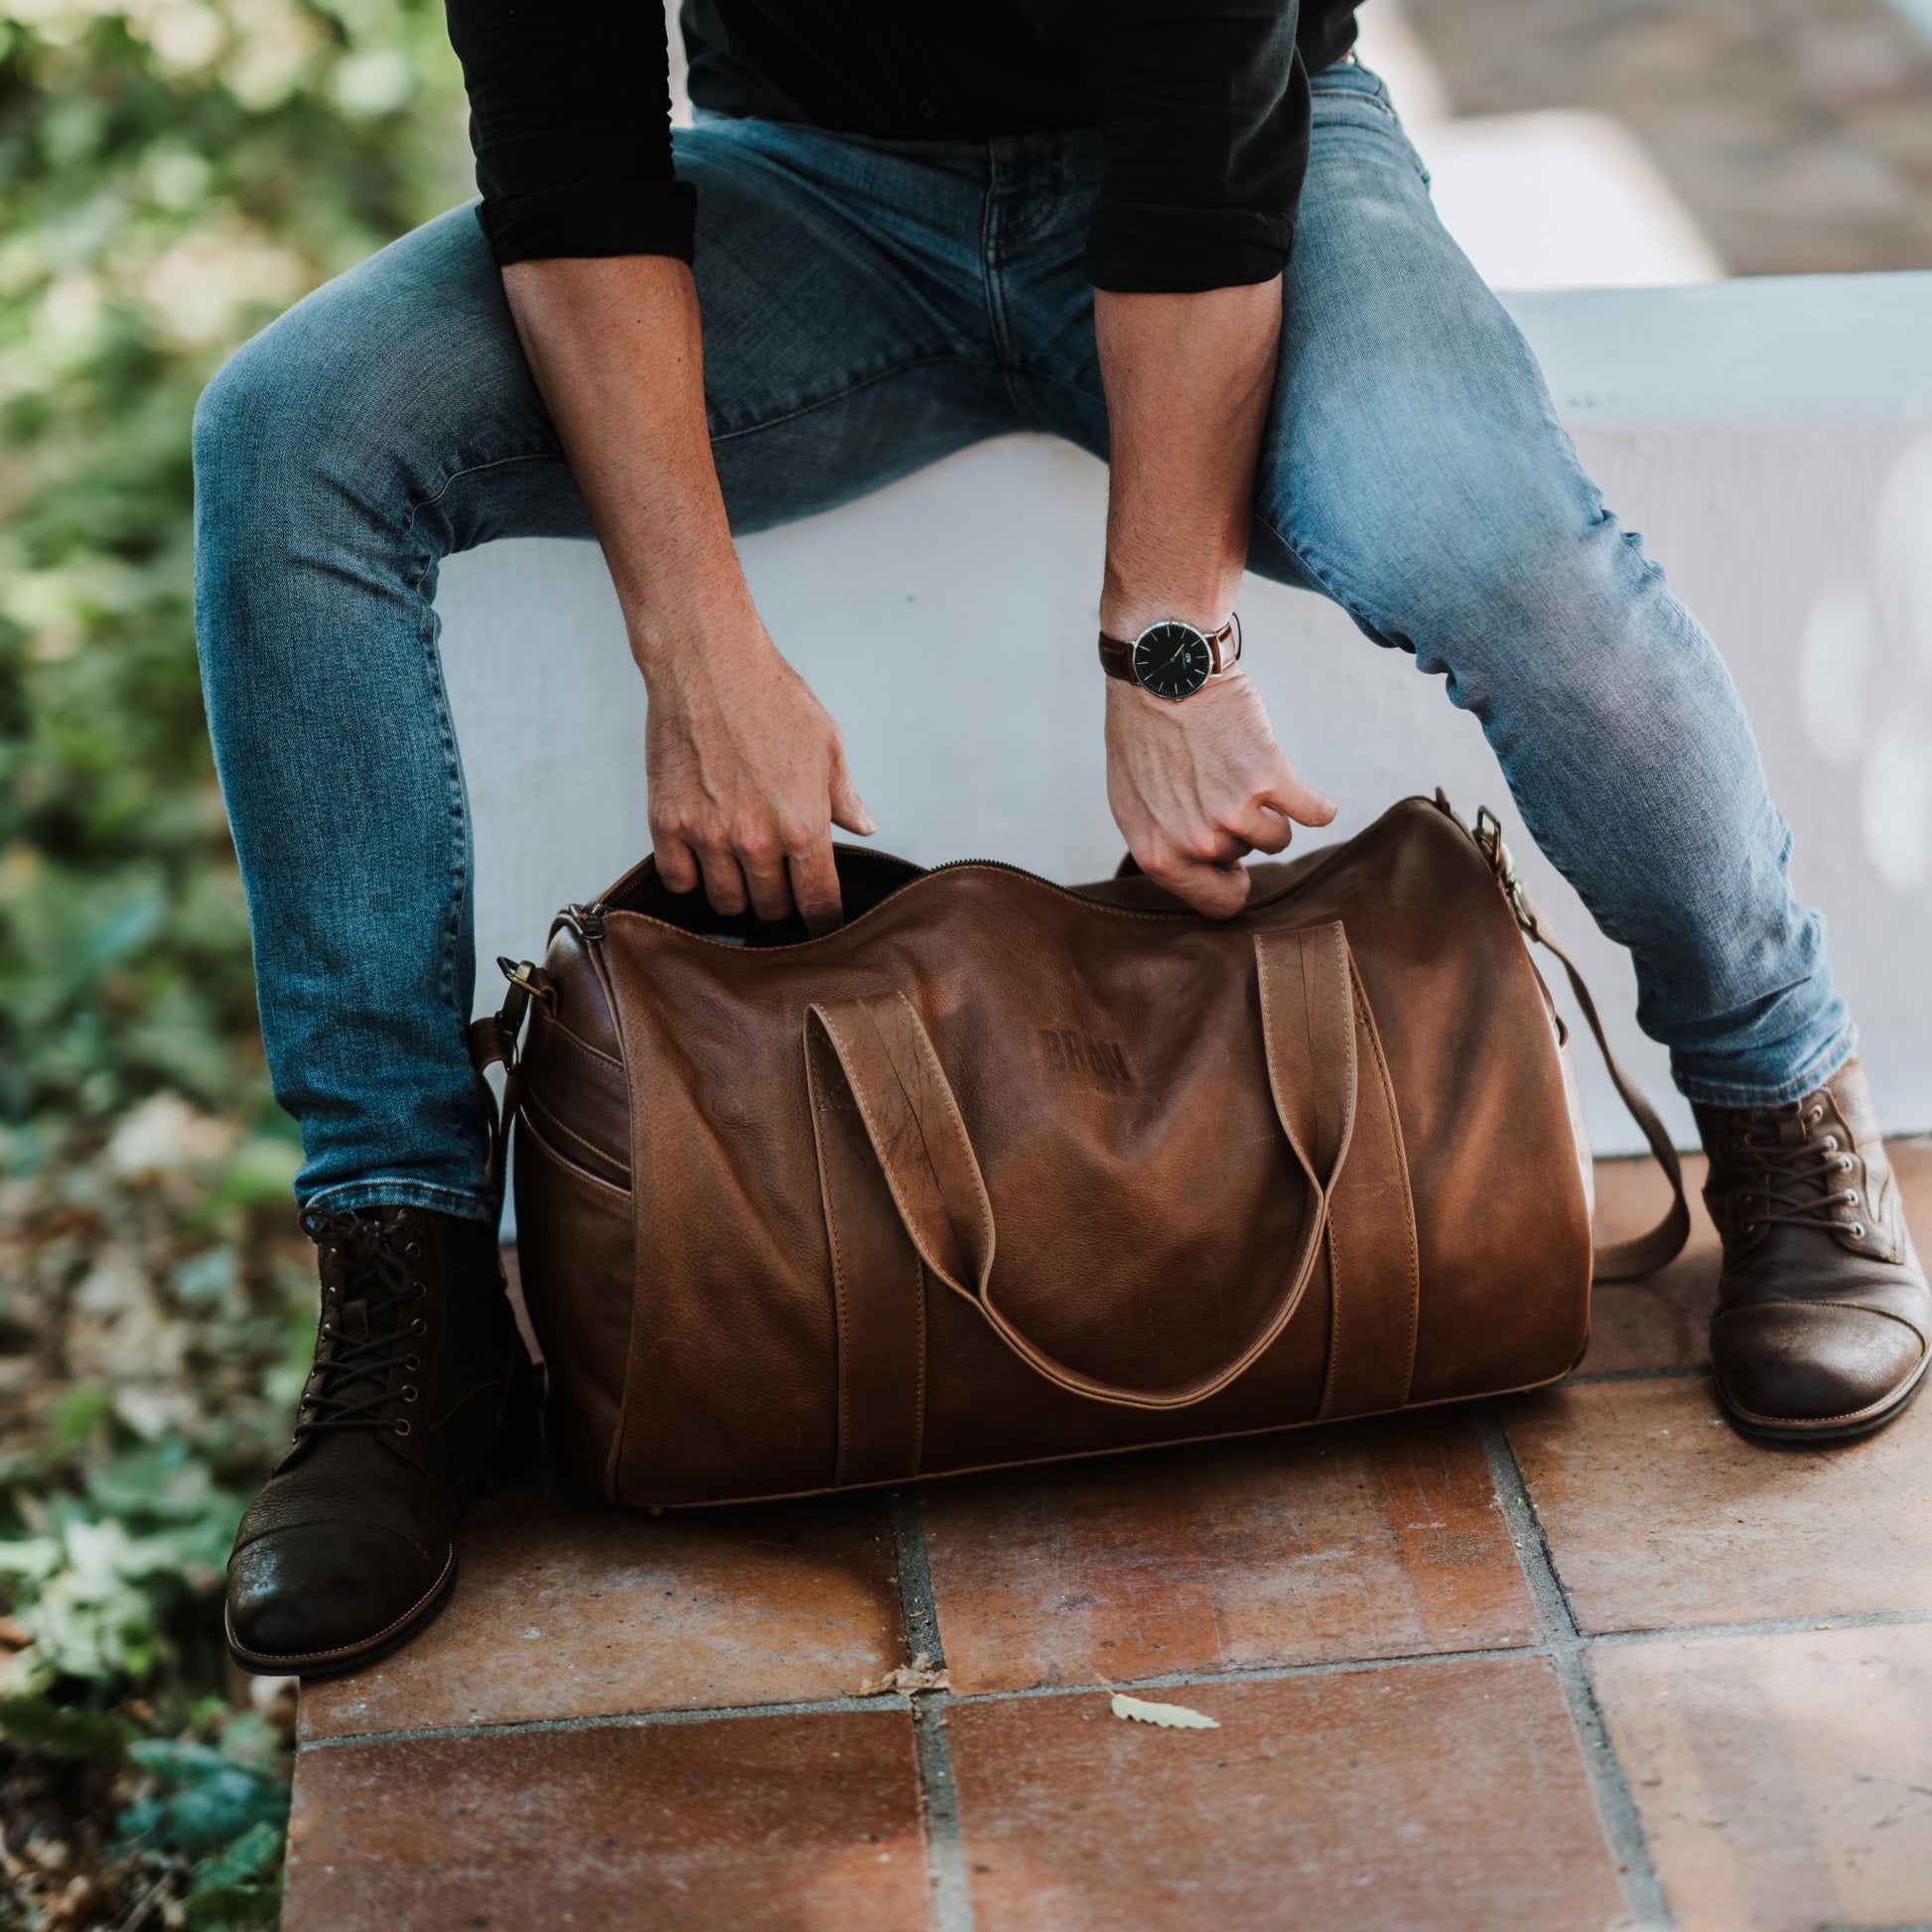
pixel 1784 1781
pixel 1660 1515
pixel 566 1608
pixel 796 1824
pixel 1450 1795
pixel 1368 1540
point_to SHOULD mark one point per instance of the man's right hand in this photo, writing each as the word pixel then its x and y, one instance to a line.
pixel 747 776
pixel 747 771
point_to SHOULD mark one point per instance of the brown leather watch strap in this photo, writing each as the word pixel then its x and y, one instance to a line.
pixel 1117 654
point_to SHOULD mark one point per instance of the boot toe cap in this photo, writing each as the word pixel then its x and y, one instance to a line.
pixel 313 1596
pixel 1810 1366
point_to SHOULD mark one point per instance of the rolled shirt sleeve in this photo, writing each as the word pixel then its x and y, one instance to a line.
pixel 1203 109
pixel 570 119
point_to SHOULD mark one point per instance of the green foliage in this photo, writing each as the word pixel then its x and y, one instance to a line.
pixel 94 1588
pixel 173 173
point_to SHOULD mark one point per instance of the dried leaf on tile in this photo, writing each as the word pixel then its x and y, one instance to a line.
pixel 1170 1717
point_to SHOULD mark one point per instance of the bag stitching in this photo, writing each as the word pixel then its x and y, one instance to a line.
pixel 838 1274
pixel 557 1030
pixel 534 1105
pixel 1402 1167
pixel 573 1166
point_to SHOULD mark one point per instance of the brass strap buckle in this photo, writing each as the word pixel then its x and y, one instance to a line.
pixel 527 982
pixel 1489 841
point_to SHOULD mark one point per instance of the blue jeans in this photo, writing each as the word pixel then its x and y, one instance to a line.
pixel 870 306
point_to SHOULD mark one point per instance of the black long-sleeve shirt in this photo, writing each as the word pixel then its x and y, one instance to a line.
pixel 1202 106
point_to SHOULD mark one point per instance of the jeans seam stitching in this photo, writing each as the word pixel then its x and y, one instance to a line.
pixel 997 316
pixel 459 810
pixel 418 504
pixel 1034 372
pixel 849 389
pixel 1330 587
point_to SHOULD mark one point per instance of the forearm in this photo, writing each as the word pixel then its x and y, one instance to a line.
pixel 1197 785
pixel 1188 380
pixel 746 772
pixel 616 347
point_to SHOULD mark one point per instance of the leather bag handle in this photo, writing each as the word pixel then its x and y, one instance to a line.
pixel 913 1121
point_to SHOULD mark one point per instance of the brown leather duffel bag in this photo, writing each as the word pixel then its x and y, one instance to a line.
pixel 1000 1171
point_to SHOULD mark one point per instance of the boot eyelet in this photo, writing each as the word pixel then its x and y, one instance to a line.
pixel 412 1363
pixel 1830 1143
pixel 1818 1113
pixel 402 1424
pixel 1851 1197
pixel 419 1327
pixel 1845 1163
pixel 418 1290
pixel 412 1250
pixel 1858 1230
pixel 409 1392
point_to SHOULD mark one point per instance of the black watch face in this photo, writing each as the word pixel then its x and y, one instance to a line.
pixel 1173 660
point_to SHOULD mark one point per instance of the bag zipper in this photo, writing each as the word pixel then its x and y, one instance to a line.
pixel 588 919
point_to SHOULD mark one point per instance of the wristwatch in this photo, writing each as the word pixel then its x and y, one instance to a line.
pixel 1172 659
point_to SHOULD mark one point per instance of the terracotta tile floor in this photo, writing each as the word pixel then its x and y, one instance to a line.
pixel 1578 1659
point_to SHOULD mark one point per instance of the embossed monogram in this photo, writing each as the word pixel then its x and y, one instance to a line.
pixel 1062 1051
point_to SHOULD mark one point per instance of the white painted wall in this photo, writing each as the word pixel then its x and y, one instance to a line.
pixel 1772 439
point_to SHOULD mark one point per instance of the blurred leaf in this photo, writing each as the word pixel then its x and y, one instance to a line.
pixel 237 1905
pixel 262 1170
pixel 53 1731
pixel 207 1800
pixel 172 176
pixel 255 1853
pixel 80 1412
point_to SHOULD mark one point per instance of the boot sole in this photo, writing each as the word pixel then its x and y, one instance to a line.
pixel 332 1663
pixel 1761 1430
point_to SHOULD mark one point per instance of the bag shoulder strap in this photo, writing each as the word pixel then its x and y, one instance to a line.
pixel 495 1039
pixel 1641 1254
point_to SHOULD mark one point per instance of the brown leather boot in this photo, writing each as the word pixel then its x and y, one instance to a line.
pixel 422 1396
pixel 1824 1323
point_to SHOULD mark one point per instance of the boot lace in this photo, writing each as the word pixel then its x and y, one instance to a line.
pixel 350 1385
pixel 1794 1184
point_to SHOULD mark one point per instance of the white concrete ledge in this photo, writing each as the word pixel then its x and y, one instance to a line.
pixel 1772 439
pixel 1766 352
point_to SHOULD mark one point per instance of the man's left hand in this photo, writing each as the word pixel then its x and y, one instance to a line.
pixel 1196 787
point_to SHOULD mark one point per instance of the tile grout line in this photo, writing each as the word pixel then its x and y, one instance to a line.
pixel 945 1848
pixel 605 1720
pixel 1565 1645
pixel 1162 1680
